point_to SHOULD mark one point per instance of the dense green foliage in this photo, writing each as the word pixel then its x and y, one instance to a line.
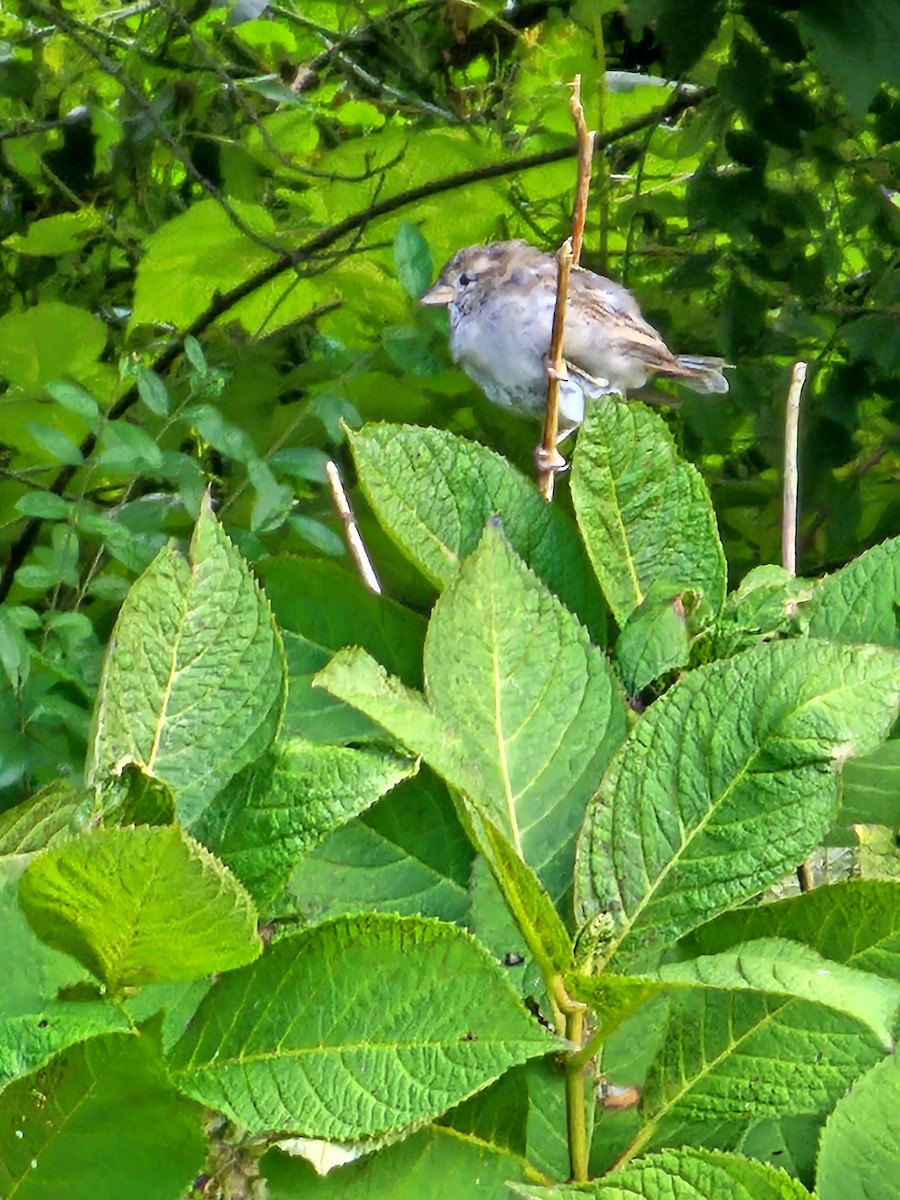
pixel 554 767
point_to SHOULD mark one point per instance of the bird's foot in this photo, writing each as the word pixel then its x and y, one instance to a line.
pixel 553 372
pixel 549 462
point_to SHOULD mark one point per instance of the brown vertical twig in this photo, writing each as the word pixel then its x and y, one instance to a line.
pixel 789 510
pixel 549 460
pixel 351 529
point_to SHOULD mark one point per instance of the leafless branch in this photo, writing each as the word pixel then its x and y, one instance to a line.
pixel 549 460
pixel 351 529
pixel 791 470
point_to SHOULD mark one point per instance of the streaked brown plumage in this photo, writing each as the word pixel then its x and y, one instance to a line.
pixel 501 299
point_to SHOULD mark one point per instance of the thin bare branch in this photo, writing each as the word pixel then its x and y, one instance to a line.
pixel 351 529
pixel 549 460
pixel 585 145
pixel 789 509
pixel 791 470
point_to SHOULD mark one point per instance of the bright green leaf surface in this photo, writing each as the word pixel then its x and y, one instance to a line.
pixel 682 1175
pixel 727 782
pixel 140 905
pixel 522 713
pixel 193 682
pixel 355 1028
pixel 276 810
pixel 859 603
pixel 871 794
pixel 857 923
pixel 645 515
pixel 439 1163
pixel 49 341
pixel 407 855
pixel 859 1155
pixel 71 1130
pixel 321 608
pixel 434 493
pixel 193 256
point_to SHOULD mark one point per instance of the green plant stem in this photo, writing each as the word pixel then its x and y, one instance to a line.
pixel 576 1117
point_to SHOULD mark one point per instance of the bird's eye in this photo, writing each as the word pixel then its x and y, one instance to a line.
pixel 465 280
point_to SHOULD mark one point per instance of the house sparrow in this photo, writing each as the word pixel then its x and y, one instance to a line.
pixel 501 299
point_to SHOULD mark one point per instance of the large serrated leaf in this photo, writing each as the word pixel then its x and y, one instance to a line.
pixel 681 1175
pixel 100 1122
pixel 435 492
pixel 358 1027
pixel 728 781
pixel 856 922
pixel 278 808
pixel 408 855
pixel 321 608
pixel 193 684
pixel 645 515
pixel 140 905
pixel 521 712
pixel 860 602
pixel 437 1163
pixel 859 1154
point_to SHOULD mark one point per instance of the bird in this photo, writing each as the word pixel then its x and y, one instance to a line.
pixel 501 299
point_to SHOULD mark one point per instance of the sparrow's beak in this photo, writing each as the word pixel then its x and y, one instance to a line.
pixel 441 293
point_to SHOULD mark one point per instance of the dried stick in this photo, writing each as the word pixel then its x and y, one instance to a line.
pixel 791 472
pixel 351 529
pixel 789 507
pixel 549 460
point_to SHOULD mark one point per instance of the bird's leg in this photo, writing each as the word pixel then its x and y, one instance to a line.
pixel 552 373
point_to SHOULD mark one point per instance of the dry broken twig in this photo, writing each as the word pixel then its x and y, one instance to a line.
pixel 549 460
pixel 351 529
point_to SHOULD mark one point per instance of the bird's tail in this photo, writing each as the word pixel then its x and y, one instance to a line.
pixel 702 374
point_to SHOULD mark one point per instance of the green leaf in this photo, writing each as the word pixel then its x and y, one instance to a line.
pixel 655 639
pixel 779 967
pixel 76 399
pixel 686 1174
pixel 194 256
pixel 40 821
pixel 58 445
pixel 738 1056
pixel 434 493
pixel 528 903
pixel 322 608
pixel 412 258
pixel 302 462
pixel 281 806
pixel 871 793
pixel 407 855
pixel 60 234
pixel 857 923
pixel 128 448
pixel 45 505
pixel 153 391
pixel 859 1154
pixel 520 712
pixel 859 603
pixel 402 1017
pixel 193 682
pixel 726 783
pixel 140 905
pixel 47 342
pixel 439 1163
pixel 646 516
pixel 71 1130
pixel 859 51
